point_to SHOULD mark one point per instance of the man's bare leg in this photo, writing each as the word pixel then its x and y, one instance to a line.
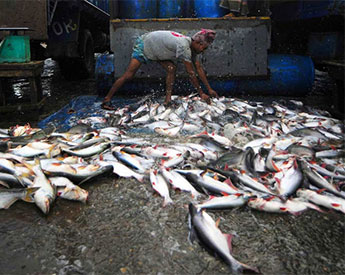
pixel 170 67
pixel 133 67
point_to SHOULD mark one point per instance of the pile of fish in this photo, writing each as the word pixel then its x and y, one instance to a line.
pixel 266 156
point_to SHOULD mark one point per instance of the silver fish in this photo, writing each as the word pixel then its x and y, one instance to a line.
pixel 203 227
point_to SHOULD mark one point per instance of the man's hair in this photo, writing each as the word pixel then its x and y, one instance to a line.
pixel 204 36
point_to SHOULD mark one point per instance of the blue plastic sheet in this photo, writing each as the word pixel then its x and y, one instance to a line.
pixel 79 108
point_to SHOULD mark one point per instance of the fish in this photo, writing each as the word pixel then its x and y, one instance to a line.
pixel 225 201
pixel 129 160
pixel 331 202
pixel 178 181
pixel 122 170
pixel 46 193
pixel 160 186
pixel 275 205
pixel 252 183
pixel 204 228
pixel 319 181
pixel 67 190
pixel 290 182
pixel 10 196
pixel 77 176
pixel 208 185
pixel 89 151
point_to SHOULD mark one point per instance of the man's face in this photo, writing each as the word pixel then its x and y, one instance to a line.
pixel 199 47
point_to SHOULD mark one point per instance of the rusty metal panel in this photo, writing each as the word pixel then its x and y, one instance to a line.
pixel 24 13
pixel 239 50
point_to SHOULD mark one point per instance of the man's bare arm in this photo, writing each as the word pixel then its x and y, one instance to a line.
pixel 202 75
pixel 195 81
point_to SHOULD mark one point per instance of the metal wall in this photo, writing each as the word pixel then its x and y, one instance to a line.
pixel 24 13
pixel 239 50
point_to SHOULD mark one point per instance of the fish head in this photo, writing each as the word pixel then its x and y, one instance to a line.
pixel 43 202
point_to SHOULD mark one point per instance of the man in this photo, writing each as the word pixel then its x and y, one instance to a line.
pixel 167 47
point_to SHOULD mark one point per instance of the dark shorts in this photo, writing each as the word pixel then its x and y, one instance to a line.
pixel 138 50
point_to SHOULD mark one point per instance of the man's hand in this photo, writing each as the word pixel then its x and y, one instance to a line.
pixel 206 98
pixel 213 93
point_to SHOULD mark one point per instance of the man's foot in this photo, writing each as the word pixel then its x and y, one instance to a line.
pixel 107 106
pixel 167 104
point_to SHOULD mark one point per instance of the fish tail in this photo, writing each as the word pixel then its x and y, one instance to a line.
pixel 167 201
pixel 239 267
pixel 139 177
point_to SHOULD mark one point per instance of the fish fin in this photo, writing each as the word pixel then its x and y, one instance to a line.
pixel 192 235
pixel 50 150
pixel 229 241
pixel 283 209
pixel 4 184
pixel 167 201
pixel 296 213
pixel 229 182
pixel 247 269
pixel 269 198
pixel 30 191
pixel 217 222
pixel 203 133
pixel 320 190
pixel 335 204
pixel 275 167
pixel 224 194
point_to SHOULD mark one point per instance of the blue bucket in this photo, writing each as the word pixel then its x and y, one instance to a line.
pixel 138 9
pixel 170 8
pixel 208 8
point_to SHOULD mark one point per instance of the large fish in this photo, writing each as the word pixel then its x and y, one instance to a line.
pixel 46 193
pixel 330 202
pixel 225 202
pixel 203 227
pixel 178 181
pixel 290 182
pixel 319 181
pixel 160 186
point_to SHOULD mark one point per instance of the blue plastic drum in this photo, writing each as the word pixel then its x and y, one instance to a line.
pixel 170 8
pixel 138 9
pixel 208 8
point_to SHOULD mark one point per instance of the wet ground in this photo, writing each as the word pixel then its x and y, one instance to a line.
pixel 123 228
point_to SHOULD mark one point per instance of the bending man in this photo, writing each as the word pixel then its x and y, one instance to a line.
pixel 168 47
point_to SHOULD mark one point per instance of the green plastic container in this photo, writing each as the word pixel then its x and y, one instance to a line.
pixel 15 48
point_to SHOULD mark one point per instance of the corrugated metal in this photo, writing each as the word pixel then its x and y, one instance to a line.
pixel 239 50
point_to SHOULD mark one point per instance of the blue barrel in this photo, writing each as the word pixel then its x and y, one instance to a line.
pixel 188 9
pixel 138 9
pixel 208 8
pixel 170 8
pixel 290 75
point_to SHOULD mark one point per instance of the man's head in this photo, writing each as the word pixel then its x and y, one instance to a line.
pixel 202 39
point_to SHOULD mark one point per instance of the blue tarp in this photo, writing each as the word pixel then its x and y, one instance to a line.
pixel 79 108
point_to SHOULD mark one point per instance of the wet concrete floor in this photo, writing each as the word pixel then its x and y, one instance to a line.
pixel 123 228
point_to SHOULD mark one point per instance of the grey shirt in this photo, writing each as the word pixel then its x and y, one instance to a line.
pixel 167 45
